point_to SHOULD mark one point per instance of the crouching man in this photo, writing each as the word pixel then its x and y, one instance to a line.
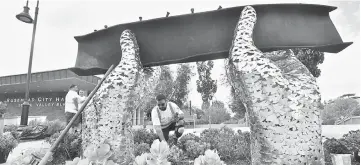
pixel 166 117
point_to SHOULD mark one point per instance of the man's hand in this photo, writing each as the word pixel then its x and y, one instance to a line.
pixel 175 118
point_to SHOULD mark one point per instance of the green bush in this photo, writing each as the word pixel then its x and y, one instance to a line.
pixel 182 141
pixel 54 126
pixel 210 136
pixel 172 140
pixel 195 148
pixel 143 135
pixel 141 148
pixel 7 144
pixel 68 149
pixel 176 156
pixel 353 140
pixel 13 129
pixel 231 146
pixel 35 123
pixel 348 144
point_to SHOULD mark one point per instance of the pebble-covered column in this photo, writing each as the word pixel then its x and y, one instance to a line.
pixel 108 116
pixel 282 100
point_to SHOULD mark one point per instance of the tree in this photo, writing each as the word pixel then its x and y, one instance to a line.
pixel 181 82
pixel 205 85
pixel 237 105
pixel 310 58
pixel 345 107
pixel 165 85
pixel 218 113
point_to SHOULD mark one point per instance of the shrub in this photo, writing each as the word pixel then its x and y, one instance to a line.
pixel 231 146
pixel 35 123
pixel 176 155
pixel 182 141
pixel 172 140
pixel 158 155
pixel 143 135
pixel 353 140
pixel 194 148
pixel 7 144
pixel 141 148
pixel 13 129
pixel 210 157
pixel 210 136
pixel 348 144
pixel 334 146
pixel 68 149
pixel 54 126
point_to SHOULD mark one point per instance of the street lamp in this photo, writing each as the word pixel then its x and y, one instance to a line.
pixel 25 17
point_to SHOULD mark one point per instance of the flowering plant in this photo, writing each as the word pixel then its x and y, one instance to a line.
pixel 95 154
pixel 210 157
pixel 159 152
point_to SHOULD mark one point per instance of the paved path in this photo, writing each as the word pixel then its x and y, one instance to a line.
pixel 330 131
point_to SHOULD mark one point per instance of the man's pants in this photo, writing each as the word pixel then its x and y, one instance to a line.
pixel 69 116
pixel 173 127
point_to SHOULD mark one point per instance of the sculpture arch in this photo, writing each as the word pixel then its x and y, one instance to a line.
pixel 282 100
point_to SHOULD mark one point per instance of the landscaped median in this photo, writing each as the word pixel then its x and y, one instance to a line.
pixel 232 145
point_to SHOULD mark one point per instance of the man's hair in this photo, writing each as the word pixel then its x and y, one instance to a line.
pixel 160 97
pixel 72 86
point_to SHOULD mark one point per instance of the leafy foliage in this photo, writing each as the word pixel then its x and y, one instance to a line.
pixel 339 107
pixel 13 129
pixel 54 126
pixel 69 148
pixel 182 141
pixel 176 155
pixel 141 148
pixel 95 155
pixel 310 58
pixel 7 144
pixel 218 113
pixel 230 145
pixel 205 85
pixel 181 82
pixel 143 135
pixel 3 107
pixel 209 158
pixel 353 140
pixel 237 105
pixel 348 144
pixel 158 155
pixel 195 148
pixel 165 85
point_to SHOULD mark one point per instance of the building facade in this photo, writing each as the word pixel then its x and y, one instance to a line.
pixel 47 93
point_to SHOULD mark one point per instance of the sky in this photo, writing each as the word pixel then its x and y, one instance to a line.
pixel 60 20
